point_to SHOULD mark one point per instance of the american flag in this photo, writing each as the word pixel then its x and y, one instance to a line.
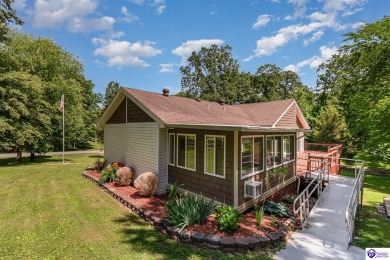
pixel 61 104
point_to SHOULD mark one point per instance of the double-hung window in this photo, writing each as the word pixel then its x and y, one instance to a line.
pixel 186 151
pixel 252 155
pixel 215 155
pixel 171 148
pixel 288 148
pixel 274 151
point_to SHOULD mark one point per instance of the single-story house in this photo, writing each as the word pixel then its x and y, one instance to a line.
pixel 237 154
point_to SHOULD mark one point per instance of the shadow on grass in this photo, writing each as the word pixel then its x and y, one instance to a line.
pixel 46 159
pixel 146 240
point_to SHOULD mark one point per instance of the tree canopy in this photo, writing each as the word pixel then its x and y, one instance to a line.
pixel 7 16
pixel 39 63
pixel 358 79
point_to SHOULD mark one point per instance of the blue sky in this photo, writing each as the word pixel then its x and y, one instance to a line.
pixel 142 43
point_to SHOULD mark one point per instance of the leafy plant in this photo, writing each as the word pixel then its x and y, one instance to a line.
pixel 99 165
pixel 273 220
pixel 188 209
pixel 259 214
pixel 227 218
pixel 277 209
pixel 278 171
pixel 289 198
pixel 108 175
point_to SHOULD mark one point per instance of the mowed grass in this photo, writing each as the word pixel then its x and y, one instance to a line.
pixel 50 211
pixel 372 228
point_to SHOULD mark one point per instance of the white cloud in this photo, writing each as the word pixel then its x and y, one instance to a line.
pixel 358 25
pixel 262 20
pixel 186 48
pixel 319 21
pixel 159 6
pixel 124 53
pixel 137 2
pixel 128 17
pixel 315 61
pixel 88 25
pixel 54 14
pixel 299 9
pixel 166 67
pixel 19 4
pixel 315 37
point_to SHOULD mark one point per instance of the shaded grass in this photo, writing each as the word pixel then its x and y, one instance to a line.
pixel 373 162
pixel 50 211
pixel 372 228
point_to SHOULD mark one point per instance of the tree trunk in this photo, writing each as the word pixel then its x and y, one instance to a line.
pixel 32 157
pixel 18 155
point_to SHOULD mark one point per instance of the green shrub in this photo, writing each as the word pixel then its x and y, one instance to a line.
pixel 227 218
pixel 188 209
pixel 259 214
pixel 277 209
pixel 108 175
pixel 273 220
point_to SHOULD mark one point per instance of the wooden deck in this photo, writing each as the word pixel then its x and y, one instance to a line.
pixel 319 153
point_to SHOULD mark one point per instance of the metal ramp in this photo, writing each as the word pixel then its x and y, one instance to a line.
pixel 327 234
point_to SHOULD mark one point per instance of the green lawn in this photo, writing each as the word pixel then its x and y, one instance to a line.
pixel 50 211
pixel 372 228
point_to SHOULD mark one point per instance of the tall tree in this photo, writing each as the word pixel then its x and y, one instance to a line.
pixel 211 74
pixel 359 77
pixel 24 114
pixel 60 73
pixel 111 90
pixel 7 16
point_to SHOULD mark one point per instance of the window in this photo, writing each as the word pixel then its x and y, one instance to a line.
pixel 251 155
pixel 274 148
pixel 171 148
pixel 288 148
pixel 215 155
pixel 186 151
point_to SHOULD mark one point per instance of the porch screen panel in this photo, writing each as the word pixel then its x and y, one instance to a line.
pixel 190 160
pixel 278 150
pixel 181 150
pixel 258 154
pixel 210 154
pixel 270 151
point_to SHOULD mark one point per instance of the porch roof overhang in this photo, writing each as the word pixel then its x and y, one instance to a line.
pixel 241 128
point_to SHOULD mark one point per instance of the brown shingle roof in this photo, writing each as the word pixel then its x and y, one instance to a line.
pixel 174 110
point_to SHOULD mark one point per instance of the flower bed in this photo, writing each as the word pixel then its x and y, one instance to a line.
pixel 247 237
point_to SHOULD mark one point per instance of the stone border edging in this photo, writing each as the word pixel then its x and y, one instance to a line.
pixel 226 244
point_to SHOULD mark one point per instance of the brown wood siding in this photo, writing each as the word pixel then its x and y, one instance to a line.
pixel 269 180
pixel 198 182
pixel 135 114
pixel 119 115
pixel 289 119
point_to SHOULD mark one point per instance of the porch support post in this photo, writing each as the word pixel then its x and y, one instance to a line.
pixel 235 166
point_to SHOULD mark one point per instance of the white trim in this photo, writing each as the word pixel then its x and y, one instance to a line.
pixel 253 157
pixel 224 156
pixel 169 149
pixel 285 111
pixel 185 152
pixel 235 170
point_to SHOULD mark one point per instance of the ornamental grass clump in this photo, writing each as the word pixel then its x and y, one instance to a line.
pixel 259 214
pixel 188 209
pixel 227 218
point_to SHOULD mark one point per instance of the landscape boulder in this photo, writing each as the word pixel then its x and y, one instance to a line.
pixel 124 176
pixel 146 184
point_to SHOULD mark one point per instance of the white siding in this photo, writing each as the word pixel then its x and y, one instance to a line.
pixel 163 162
pixel 142 147
pixel 115 143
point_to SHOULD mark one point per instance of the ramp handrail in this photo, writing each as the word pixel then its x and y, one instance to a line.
pixel 303 198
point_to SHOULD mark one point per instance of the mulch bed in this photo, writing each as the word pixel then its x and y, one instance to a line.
pixel 155 204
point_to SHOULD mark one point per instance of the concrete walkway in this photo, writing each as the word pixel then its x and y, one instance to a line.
pixel 12 155
pixel 326 236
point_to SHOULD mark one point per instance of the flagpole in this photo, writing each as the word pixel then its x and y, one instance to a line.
pixel 63 130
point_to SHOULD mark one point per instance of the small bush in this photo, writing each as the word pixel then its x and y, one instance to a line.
pixel 259 214
pixel 277 209
pixel 108 175
pixel 187 210
pixel 289 198
pixel 99 165
pixel 227 218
